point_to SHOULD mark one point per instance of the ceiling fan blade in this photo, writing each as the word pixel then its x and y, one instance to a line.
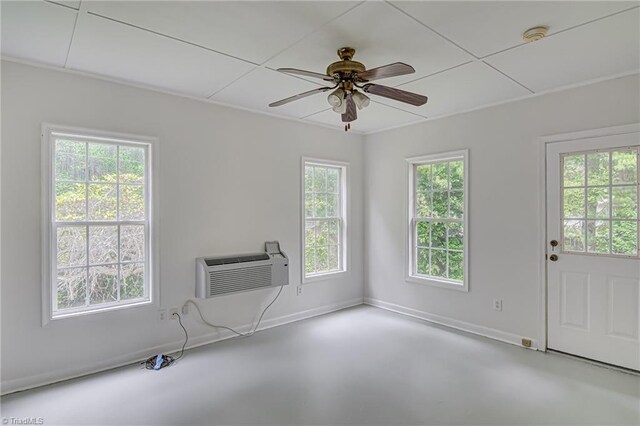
pixel 396 94
pixel 351 114
pixel 385 71
pixel 299 96
pixel 306 73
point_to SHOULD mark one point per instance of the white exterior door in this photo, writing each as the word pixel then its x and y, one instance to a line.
pixel 593 273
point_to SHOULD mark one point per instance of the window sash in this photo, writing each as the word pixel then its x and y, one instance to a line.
pixel 54 224
pixel 416 216
pixel 339 217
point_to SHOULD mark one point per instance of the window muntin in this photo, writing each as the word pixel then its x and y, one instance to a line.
pixel 600 202
pixel 324 218
pixel 99 223
pixel 437 219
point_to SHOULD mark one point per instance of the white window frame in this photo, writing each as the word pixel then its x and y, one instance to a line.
pixel 344 213
pixel 410 252
pixel 48 204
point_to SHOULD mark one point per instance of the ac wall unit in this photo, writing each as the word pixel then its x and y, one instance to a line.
pixel 217 276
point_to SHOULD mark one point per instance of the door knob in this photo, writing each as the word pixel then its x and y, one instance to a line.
pixel 553 258
pixel 554 243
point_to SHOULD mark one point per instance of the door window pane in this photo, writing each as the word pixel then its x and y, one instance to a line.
pixel 574 203
pixel 624 237
pixel 624 165
pixel 598 169
pixel 610 185
pixel 574 235
pixel 598 236
pixel 573 170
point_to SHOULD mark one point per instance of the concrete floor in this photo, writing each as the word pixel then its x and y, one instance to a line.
pixel 358 366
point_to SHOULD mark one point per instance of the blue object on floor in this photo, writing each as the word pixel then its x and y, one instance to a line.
pixel 159 359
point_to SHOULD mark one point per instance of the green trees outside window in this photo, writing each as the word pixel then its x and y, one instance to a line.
pixel 100 222
pixel 439 219
pixel 600 202
pixel 323 219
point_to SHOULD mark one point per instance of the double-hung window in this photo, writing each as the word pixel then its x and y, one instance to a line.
pixel 324 218
pixel 438 220
pixel 98 214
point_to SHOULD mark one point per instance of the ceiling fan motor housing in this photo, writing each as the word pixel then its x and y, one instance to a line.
pixel 346 67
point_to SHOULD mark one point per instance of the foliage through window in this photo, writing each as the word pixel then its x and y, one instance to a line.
pixel 99 223
pixel 600 202
pixel 324 218
pixel 437 216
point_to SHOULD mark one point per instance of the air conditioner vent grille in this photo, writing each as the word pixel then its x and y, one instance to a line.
pixel 241 279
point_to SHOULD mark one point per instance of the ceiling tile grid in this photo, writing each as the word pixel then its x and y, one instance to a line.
pixel 466 54
pixel 462 88
pixel 37 31
pixel 110 48
pixel 486 27
pixel 262 86
pixel 253 31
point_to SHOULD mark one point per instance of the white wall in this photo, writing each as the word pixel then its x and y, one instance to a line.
pixel 504 225
pixel 229 180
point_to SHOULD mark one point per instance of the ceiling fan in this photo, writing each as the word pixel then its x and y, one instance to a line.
pixel 347 77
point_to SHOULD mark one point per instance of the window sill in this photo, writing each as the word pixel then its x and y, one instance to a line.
pixel 324 277
pixel 441 283
pixel 60 316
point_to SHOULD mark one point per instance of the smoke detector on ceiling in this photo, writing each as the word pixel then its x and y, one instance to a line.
pixel 534 34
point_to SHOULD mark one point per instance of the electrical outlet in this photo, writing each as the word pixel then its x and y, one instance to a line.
pixel 497 304
pixel 526 343
pixel 185 309
pixel 299 289
pixel 162 314
pixel 173 311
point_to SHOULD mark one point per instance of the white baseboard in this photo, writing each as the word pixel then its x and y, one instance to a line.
pixel 24 383
pixel 480 330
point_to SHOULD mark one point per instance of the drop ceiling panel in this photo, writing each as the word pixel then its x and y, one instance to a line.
pixel 462 88
pixel 381 35
pixel 261 87
pixel 113 49
pixel 375 117
pixel 487 27
pixel 37 31
pixel 603 48
pixel 254 31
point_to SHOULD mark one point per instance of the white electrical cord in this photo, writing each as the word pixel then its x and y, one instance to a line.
pixel 251 333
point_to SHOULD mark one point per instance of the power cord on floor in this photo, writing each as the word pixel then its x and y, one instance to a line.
pixel 238 334
pixel 161 361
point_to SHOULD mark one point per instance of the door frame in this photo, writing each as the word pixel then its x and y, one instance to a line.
pixel 543 142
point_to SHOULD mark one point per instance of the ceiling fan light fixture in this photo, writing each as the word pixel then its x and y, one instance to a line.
pixel 340 109
pixel 336 98
pixel 361 100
